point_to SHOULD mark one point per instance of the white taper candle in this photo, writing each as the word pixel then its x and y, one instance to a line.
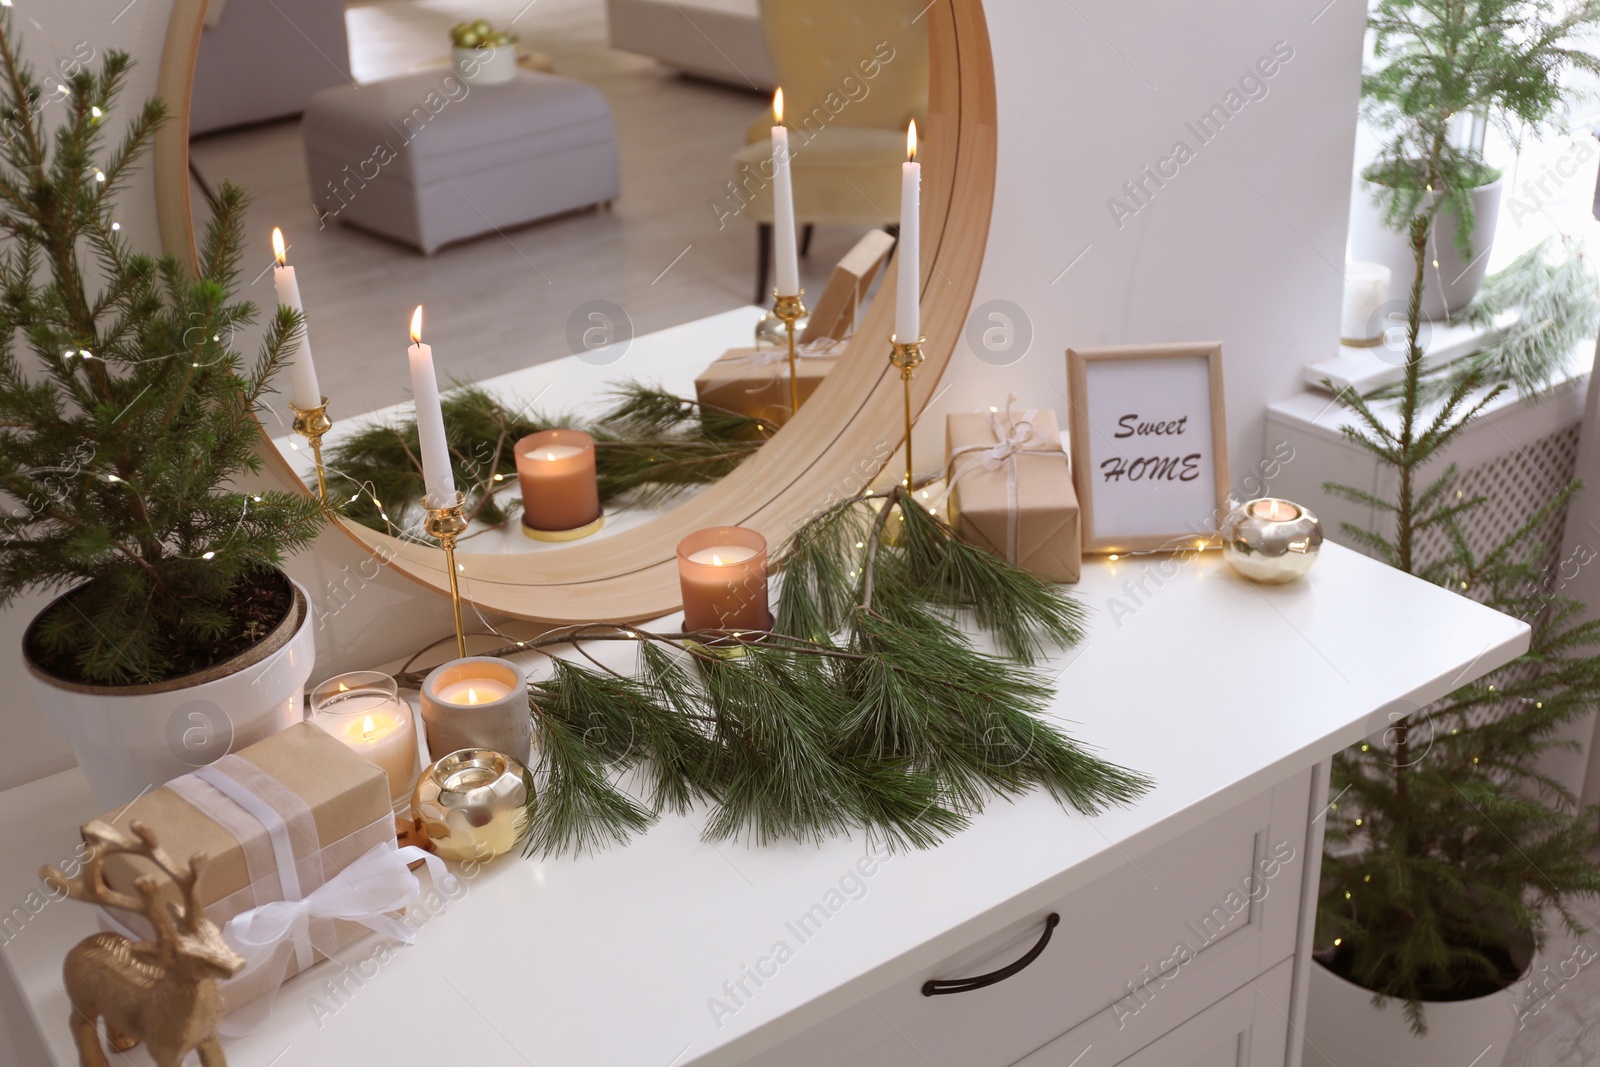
pixel 785 257
pixel 437 479
pixel 302 371
pixel 908 316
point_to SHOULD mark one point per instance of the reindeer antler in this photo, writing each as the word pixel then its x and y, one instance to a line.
pixel 106 840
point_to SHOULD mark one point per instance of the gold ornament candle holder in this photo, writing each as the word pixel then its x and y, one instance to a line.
pixel 445 524
pixel 906 357
pixel 1271 541
pixel 312 423
pixel 790 310
pixel 472 805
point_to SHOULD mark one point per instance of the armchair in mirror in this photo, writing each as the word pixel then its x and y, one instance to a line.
pixel 581 195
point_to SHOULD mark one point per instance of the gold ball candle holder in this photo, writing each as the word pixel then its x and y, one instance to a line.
pixel 312 423
pixel 790 310
pixel 1271 541
pixel 472 805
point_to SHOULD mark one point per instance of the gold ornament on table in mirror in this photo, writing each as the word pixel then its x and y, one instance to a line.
pixel 472 805
pixel 164 993
pixel 1271 541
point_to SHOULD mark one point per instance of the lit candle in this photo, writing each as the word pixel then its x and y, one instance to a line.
pixel 560 488
pixel 1274 510
pixel 1366 290
pixel 302 372
pixel 722 572
pixel 363 709
pixel 786 261
pixel 477 702
pixel 908 314
pixel 436 476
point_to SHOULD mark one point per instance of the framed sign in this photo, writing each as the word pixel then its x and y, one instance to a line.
pixel 1149 444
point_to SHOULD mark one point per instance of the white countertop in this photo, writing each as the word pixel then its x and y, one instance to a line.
pixel 1218 688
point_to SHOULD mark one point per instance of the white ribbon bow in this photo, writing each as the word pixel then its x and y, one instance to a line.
pixel 1013 436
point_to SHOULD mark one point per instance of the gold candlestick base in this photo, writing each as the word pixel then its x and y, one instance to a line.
pixel 906 357
pixel 790 310
pixel 444 525
pixel 312 423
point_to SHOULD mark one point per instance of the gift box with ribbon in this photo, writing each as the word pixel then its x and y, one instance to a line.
pixel 755 381
pixel 1010 491
pixel 302 856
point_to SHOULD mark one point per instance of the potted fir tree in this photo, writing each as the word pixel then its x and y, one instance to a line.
pixel 1450 68
pixel 1447 847
pixel 124 416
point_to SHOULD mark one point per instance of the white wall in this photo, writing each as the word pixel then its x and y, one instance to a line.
pixel 1242 245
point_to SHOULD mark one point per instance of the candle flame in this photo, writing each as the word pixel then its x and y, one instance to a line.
pixel 343 688
pixel 911 142
pixel 777 105
pixel 368 729
pixel 716 560
pixel 550 455
pixel 416 326
pixel 277 247
pixel 472 695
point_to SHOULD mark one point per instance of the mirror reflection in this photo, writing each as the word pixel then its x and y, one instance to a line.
pixel 586 199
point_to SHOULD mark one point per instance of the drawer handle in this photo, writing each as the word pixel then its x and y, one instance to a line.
pixel 939 987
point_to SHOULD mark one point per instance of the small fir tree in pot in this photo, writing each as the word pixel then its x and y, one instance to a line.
pixel 125 415
pixel 1448 846
pixel 1450 69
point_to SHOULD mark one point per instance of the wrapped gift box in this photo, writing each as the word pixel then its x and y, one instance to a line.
pixel 1011 490
pixel 755 381
pixel 334 809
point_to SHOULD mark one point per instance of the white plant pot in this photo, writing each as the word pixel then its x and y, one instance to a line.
pixel 1446 289
pixel 129 739
pixel 1343 1029
pixel 485 66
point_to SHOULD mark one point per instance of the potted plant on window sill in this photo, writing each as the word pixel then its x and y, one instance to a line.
pixel 1450 69
pixel 125 416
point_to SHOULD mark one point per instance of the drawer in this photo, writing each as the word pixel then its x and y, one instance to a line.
pixel 1145 947
pixel 1247 1028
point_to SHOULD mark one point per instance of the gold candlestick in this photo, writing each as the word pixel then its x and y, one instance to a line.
pixel 312 423
pixel 906 356
pixel 444 524
pixel 790 310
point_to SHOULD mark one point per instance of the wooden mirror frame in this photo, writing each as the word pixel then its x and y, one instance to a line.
pixel 831 448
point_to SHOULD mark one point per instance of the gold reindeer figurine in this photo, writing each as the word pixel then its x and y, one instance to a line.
pixel 164 993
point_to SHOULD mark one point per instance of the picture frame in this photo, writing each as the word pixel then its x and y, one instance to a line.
pixel 1155 497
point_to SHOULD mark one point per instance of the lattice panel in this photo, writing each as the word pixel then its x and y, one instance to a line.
pixel 1516 484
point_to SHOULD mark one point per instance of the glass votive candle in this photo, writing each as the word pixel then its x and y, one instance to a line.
pixel 723 575
pixel 477 702
pixel 364 710
pixel 560 490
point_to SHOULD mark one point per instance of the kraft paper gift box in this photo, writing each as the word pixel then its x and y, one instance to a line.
pixel 755 381
pixel 336 810
pixel 1011 490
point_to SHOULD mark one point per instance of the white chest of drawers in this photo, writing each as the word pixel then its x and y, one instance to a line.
pixel 673 951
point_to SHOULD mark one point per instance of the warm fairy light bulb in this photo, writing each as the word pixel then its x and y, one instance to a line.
pixel 911 142
pixel 416 326
pixel 368 730
pixel 777 105
pixel 277 247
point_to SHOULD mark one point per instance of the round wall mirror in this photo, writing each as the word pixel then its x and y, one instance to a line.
pixel 579 197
